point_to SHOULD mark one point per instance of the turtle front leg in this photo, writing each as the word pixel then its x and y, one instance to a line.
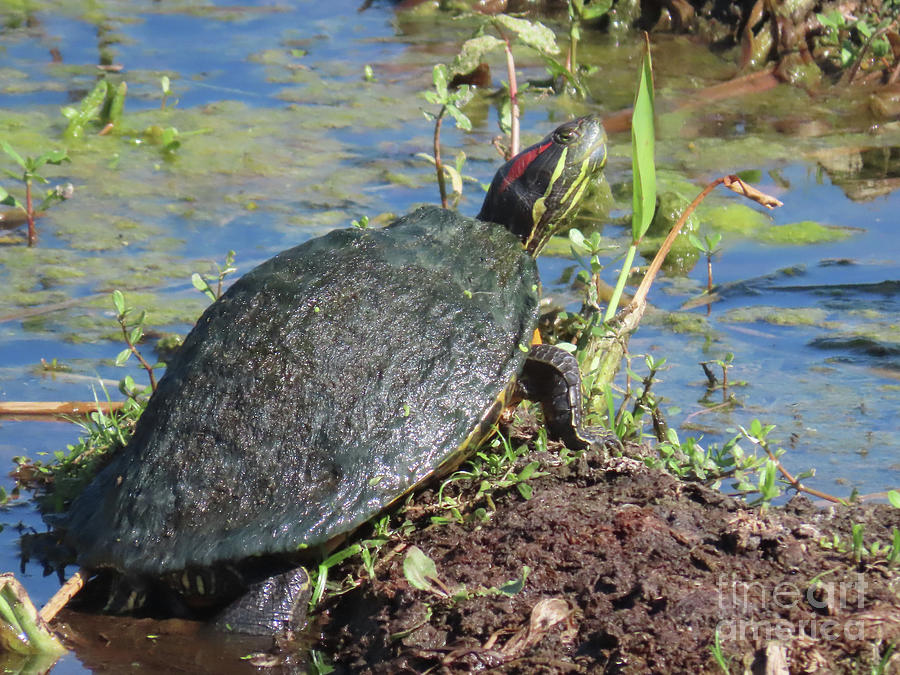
pixel 551 377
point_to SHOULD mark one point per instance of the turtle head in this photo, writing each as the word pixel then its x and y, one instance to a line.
pixel 538 188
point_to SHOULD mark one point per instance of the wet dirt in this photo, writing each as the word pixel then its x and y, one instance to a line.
pixel 631 571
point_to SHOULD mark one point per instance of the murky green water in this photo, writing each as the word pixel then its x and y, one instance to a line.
pixel 283 139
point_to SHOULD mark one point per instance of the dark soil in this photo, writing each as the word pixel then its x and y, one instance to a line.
pixel 631 571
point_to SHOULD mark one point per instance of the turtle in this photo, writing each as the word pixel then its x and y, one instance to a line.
pixel 326 384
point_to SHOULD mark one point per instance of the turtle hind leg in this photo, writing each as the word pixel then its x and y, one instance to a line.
pixel 274 605
pixel 551 377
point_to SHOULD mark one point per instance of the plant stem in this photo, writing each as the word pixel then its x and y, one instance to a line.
pixel 796 484
pixel 146 366
pixel 657 261
pixel 724 382
pixel 571 57
pixel 513 100
pixel 29 214
pixel 438 164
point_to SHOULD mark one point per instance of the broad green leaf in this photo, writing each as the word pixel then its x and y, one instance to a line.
pixel 440 77
pixel 534 34
pixel 460 161
pixel 12 154
pixel 595 9
pixel 8 200
pixel 89 110
pixel 577 238
pixel 203 286
pixel 123 356
pixel 118 301
pixel 455 178
pixel 642 148
pixel 55 157
pixel 472 52
pixel 136 334
pixel 461 120
pixel 528 471
pixel 894 498
pixel 515 586
pixel 418 568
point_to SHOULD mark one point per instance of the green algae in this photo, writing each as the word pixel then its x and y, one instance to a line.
pixel 684 323
pixel 805 232
pixel 779 316
pixel 735 218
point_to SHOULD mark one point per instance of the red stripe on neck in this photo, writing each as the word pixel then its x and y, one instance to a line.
pixel 522 162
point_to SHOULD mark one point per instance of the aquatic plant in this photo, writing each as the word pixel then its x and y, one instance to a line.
pixel 29 167
pixel 452 100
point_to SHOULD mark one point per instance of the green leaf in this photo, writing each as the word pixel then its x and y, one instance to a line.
pixel 203 286
pixel 894 498
pixel 12 154
pixel 90 108
pixel 118 302
pixel 461 120
pixel 340 556
pixel 533 34
pixel 116 103
pixel 440 77
pixel 577 238
pixel 8 200
pixel 525 490
pixel 136 334
pixel 55 157
pixel 642 148
pixel 123 356
pixel 472 53
pixel 515 586
pixel 594 10
pixel 528 471
pixel 418 568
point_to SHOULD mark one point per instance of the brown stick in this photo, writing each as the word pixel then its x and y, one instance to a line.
pixel 796 484
pixel 58 407
pixel 734 184
pixel 66 592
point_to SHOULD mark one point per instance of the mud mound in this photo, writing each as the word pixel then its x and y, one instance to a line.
pixel 631 571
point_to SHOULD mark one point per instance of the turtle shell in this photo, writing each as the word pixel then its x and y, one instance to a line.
pixel 319 388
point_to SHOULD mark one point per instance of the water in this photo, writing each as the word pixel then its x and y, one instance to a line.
pixel 290 142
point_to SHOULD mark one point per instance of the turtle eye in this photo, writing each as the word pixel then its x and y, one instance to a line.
pixel 566 135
